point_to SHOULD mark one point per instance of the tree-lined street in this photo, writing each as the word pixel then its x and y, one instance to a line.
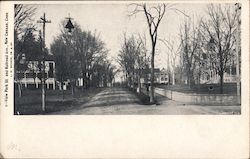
pixel 61 56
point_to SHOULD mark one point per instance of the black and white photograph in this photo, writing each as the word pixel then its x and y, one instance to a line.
pixel 130 58
pixel 124 79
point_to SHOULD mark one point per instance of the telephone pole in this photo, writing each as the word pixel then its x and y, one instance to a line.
pixel 238 9
pixel 43 20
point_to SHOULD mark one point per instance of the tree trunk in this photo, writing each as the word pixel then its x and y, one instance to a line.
pixel 221 82
pixel 133 80
pixel 173 78
pixel 152 99
pixel 169 78
pixel 126 79
pixel 19 89
pixel 105 81
pixel 61 81
pixel 72 89
pixel 62 91
pixel 87 79
pixel 221 71
pixel 189 79
pixel 83 79
pixel 139 83
pixel 43 95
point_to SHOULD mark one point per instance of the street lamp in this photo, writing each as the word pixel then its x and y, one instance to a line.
pixel 69 25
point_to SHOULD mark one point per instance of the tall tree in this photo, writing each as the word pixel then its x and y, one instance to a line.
pixel 132 58
pixel 59 50
pixel 190 48
pixel 87 46
pixel 22 26
pixel 218 32
pixel 23 14
pixel 127 58
pixel 27 49
pixel 31 47
pixel 154 15
pixel 84 50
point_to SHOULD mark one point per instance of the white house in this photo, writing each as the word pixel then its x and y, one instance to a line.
pixel 30 77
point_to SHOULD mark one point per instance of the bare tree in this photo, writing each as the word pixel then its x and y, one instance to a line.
pixel 218 31
pixel 142 62
pixel 127 58
pixel 190 49
pixel 133 60
pixel 22 25
pixel 23 17
pixel 154 15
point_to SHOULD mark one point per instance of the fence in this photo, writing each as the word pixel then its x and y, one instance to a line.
pixel 202 99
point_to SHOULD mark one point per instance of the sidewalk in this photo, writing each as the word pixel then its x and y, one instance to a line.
pixel 168 106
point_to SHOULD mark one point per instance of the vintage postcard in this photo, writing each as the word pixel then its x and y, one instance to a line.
pixel 124 79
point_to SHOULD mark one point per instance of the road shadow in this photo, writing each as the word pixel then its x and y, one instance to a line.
pixel 145 99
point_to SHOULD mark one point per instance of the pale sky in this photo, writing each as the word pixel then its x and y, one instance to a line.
pixel 112 20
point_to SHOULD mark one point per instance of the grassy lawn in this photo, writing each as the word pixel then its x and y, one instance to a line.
pixel 30 102
pixel 228 88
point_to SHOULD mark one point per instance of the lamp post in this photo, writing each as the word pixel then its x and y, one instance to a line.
pixel 69 24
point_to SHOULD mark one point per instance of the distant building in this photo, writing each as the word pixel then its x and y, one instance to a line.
pixel 161 76
pixel 30 78
pixel 209 75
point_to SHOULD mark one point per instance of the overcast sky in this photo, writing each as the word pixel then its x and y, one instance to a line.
pixel 112 20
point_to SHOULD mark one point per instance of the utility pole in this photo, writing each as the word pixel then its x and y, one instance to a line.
pixel 238 12
pixel 43 20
